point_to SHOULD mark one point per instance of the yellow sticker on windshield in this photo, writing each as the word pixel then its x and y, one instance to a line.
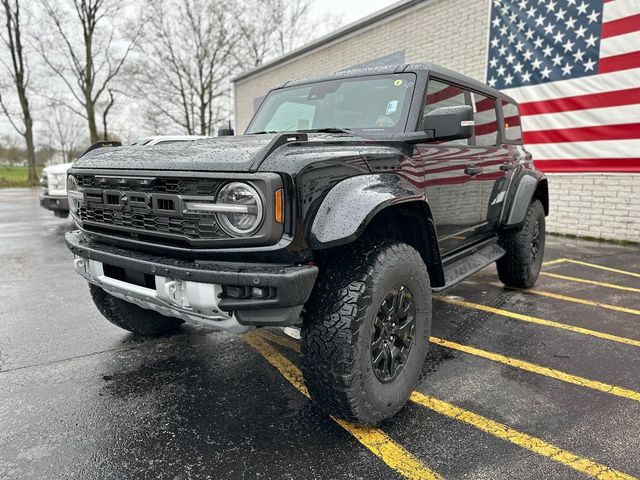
pixel 397 83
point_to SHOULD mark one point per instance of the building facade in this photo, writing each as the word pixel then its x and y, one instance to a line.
pixel 452 33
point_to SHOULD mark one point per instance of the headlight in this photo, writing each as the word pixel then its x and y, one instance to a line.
pixel 240 209
pixel 73 194
pixel 57 181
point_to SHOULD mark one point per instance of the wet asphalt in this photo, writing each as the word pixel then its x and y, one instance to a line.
pixel 80 398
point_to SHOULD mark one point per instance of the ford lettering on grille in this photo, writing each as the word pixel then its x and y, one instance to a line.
pixel 130 201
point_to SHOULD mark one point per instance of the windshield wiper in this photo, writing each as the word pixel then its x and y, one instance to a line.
pixel 310 130
pixel 327 130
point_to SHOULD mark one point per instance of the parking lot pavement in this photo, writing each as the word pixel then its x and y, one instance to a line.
pixel 518 384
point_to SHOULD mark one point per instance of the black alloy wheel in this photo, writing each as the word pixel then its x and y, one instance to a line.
pixel 535 243
pixel 524 249
pixel 366 329
pixel 393 333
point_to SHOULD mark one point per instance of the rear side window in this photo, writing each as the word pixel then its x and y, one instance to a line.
pixel 512 127
pixel 440 94
pixel 486 120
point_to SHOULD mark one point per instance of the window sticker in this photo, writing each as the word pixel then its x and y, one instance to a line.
pixel 397 83
pixel 392 106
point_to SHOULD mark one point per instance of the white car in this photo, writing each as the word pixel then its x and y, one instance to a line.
pixel 54 178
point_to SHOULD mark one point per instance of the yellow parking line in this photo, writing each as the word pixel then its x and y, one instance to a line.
pixel 512 362
pixel 378 442
pixel 282 340
pixel 540 370
pixel 567 298
pixel 590 282
pixel 533 444
pixel 554 262
pixel 539 321
pixel 601 267
pixel 528 442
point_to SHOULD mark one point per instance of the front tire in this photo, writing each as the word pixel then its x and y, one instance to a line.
pixel 133 318
pixel 520 266
pixel 365 334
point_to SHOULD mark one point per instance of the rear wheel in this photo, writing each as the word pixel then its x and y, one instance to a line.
pixel 365 334
pixel 520 266
pixel 131 317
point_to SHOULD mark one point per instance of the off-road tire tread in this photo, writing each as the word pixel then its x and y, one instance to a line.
pixel 131 317
pixel 514 268
pixel 336 310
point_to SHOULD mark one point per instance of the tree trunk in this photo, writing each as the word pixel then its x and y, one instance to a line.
pixel 203 119
pixel 93 126
pixel 32 179
pixel 27 133
pixel 105 134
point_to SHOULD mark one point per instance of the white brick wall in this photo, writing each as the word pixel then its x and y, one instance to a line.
pixel 453 33
pixel 605 206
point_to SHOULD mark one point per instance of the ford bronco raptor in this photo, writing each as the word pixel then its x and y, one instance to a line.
pixel 349 199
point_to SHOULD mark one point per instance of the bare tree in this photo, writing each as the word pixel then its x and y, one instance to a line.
pixel 271 28
pixel 87 52
pixel 185 64
pixel 64 131
pixel 18 71
pixel 255 33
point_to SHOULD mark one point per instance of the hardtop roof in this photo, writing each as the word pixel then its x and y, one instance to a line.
pixel 432 68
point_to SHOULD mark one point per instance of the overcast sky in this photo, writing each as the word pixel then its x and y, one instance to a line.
pixel 353 10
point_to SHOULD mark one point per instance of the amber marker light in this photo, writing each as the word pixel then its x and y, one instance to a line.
pixel 279 206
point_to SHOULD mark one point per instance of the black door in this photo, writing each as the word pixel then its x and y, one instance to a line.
pixel 452 175
pixel 494 158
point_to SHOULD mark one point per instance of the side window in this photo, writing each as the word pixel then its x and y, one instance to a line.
pixel 486 120
pixel 512 127
pixel 440 94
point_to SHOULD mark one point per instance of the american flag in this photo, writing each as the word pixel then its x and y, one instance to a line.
pixel 574 67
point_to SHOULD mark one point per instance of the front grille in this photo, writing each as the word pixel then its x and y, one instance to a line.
pixel 151 210
pixel 181 186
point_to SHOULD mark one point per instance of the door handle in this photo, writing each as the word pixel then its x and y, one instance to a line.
pixel 505 167
pixel 471 170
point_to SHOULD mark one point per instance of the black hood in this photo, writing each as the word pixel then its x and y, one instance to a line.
pixel 243 153
pixel 221 154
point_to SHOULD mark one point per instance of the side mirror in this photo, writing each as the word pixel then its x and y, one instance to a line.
pixel 225 132
pixel 450 123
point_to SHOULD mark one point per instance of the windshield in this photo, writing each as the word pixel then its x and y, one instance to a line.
pixel 376 103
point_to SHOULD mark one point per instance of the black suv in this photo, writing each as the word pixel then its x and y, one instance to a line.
pixel 348 201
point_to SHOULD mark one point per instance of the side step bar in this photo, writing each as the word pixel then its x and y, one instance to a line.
pixel 469 261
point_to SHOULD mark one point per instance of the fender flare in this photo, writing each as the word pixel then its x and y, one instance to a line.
pixel 351 204
pixel 530 184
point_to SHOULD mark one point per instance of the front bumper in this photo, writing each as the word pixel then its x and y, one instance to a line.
pixel 51 202
pixel 289 285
